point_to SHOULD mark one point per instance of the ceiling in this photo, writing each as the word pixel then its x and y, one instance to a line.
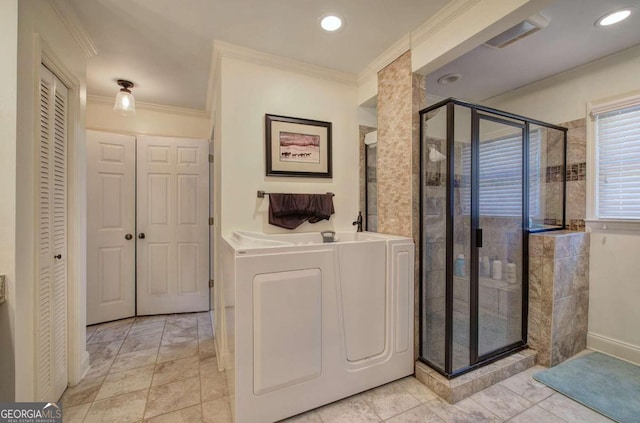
pixel 571 39
pixel 164 46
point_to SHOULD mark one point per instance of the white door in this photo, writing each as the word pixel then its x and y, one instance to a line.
pixel 172 225
pixel 51 289
pixel 111 161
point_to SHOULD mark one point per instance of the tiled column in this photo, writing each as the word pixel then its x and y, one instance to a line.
pixel 401 95
pixel 395 146
pixel 558 294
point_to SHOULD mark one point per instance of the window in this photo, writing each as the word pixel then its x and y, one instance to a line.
pixel 617 135
pixel 502 175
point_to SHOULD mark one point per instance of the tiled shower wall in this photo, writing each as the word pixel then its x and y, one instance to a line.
pixel 368 182
pixel 575 172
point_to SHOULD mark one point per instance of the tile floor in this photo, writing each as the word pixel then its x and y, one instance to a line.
pixel 162 369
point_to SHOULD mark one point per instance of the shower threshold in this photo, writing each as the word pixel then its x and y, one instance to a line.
pixel 461 387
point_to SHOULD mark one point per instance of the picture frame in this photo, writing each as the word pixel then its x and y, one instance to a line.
pixel 297 147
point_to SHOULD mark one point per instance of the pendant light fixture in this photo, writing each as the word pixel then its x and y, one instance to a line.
pixel 125 102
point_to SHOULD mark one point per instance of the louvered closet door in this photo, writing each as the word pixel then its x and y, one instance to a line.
pixel 51 290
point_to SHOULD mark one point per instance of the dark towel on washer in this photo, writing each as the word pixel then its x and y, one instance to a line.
pixel 291 210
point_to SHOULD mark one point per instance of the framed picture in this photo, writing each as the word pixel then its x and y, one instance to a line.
pixel 298 147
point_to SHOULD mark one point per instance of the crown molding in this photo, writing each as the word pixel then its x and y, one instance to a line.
pixel 223 49
pixel 440 19
pixel 386 57
pixel 152 107
pixel 383 60
pixel 69 18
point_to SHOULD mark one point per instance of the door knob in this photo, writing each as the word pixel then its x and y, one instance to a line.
pixel 57 256
pixel 141 235
pixel 128 237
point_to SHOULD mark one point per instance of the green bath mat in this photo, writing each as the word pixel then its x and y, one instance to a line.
pixel 603 383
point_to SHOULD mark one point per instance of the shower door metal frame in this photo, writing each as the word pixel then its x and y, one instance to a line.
pixel 474 283
pixel 478 112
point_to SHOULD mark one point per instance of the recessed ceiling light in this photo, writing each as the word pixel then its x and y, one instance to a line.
pixel 331 23
pixel 613 17
pixel 449 78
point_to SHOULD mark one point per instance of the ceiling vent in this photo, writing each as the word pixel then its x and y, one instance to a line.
pixel 517 32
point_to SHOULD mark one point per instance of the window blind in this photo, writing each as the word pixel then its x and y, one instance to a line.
pixel 501 176
pixel 618 162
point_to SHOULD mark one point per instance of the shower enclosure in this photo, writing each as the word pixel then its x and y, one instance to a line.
pixel 488 178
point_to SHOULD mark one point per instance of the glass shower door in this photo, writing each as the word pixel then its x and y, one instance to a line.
pixel 498 200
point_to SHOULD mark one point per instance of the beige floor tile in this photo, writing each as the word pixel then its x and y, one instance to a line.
pixel 173 371
pixel 309 417
pixel 524 385
pixel 179 336
pixel 138 343
pixel 147 329
pixel 350 410
pixel 145 320
pixel 109 334
pixel 83 393
pixel 99 367
pixel 205 331
pixel 75 414
pixel 536 414
pixel 501 401
pixel 204 321
pixel 123 382
pixel 570 410
pixel 217 411
pixel 183 322
pixel 104 349
pixel 176 351
pixel 465 411
pixel 115 324
pixel 173 329
pixel 90 331
pixel 390 400
pixel 206 348
pixel 417 389
pixel 209 365
pixel 191 414
pixel 214 386
pixel 173 396
pixel 420 414
pixel 134 359
pixel 128 408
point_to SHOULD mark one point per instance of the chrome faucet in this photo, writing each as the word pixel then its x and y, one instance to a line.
pixel 358 221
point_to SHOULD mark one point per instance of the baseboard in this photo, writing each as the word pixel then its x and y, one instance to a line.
pixel 618 349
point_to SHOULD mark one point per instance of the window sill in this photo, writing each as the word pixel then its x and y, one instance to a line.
pixel 614 225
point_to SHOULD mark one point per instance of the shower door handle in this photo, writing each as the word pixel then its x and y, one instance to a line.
pixel 479 238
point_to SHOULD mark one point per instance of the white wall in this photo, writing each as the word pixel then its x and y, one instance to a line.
pixel 614 290
pixel 41 30
pixel 564 97
pixel 149 120
pixel 8 98
pixel 614 293
pixel 247 92
pixel 368 116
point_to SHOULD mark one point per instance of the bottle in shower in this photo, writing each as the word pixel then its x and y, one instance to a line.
pixel 460 265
